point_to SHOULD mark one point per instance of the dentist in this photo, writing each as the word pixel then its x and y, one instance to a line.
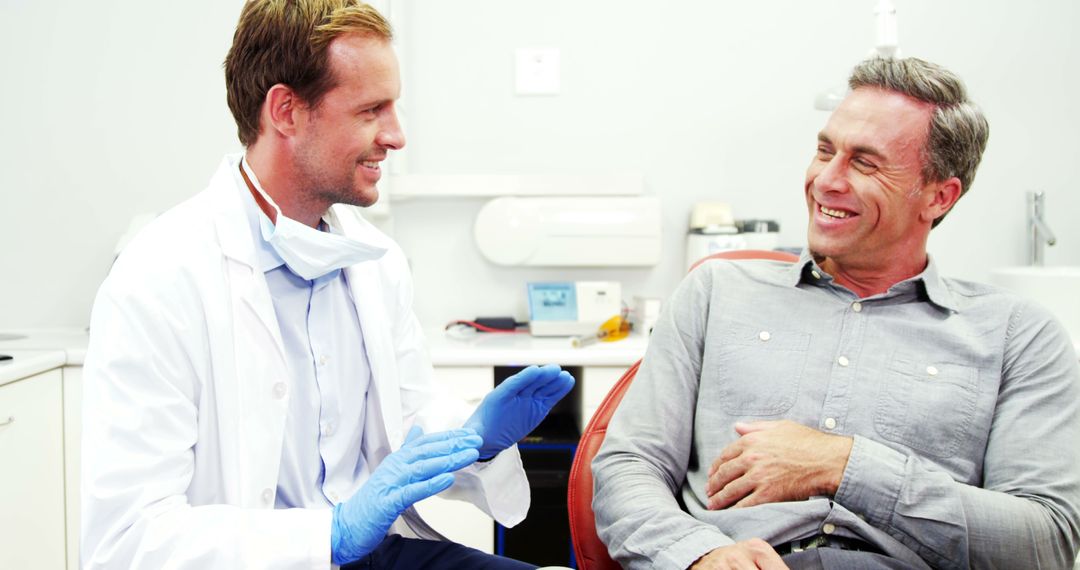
pixel 257 393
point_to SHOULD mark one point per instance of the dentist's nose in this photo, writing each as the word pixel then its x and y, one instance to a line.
pixel 391 135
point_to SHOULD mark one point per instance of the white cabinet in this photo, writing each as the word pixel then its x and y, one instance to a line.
pixel 597 382
pixel 32 473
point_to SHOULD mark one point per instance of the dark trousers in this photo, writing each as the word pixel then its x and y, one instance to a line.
pixel 836 559
pixel 398 553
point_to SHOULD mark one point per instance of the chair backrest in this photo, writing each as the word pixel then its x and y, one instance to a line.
pixel 591 553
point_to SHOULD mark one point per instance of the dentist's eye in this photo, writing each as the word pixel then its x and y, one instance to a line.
pixel 371 111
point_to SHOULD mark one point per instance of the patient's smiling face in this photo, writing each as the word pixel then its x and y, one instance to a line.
pixel 864 188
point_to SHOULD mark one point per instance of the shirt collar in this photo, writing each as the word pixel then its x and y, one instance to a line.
pixel 932 286
pixel 265 256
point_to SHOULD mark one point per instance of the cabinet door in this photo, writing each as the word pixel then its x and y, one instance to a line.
pixel 597 382
pixel 32 473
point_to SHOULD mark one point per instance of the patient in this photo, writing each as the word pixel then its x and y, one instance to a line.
pixel 856 409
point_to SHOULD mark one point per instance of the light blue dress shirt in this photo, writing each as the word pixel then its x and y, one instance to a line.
pixel 322 463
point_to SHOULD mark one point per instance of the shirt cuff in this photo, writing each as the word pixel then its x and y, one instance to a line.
pixel 872 481
pixel 685 551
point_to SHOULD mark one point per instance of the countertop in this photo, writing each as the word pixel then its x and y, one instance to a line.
pixel 481 349
pixel 510 349
pixel 71 341
pixel 27 363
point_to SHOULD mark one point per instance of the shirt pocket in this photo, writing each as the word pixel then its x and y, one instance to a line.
pixel 759 369
pixel 925 405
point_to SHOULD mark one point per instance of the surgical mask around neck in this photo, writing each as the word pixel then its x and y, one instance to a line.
pixel 308 252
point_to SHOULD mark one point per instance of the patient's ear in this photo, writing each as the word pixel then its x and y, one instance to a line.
pixel 940 198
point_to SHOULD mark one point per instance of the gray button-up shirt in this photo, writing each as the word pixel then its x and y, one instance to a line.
pixel 963 400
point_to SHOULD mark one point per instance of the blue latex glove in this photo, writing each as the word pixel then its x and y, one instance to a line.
pixel 421 468
pixel 515 407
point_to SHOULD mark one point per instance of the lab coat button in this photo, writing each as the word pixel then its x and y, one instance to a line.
pixel 856 306
pixel 830 423
pixel 843 361
pixel 828 528
pixel 764 335
pixel 279 390
pixel 267 496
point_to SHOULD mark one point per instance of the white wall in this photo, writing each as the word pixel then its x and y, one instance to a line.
pixel 111 108
pixel 107 116
pixel 712 100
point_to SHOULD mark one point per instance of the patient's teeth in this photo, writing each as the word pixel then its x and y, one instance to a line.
pixel 833 213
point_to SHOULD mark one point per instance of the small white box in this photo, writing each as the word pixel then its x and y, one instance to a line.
pixel 646 311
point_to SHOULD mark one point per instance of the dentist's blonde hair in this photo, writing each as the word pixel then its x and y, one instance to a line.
pixel 285 41
pixel 958 130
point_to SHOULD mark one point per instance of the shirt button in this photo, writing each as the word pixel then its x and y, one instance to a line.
pixel 279 390
pixel 815 274
pixel 830 423
pixel 843 361
pixel 334 498
pixel 828 528
pixel 764 335
pixel 856 306
pixel 931 370
pixel 322 360
pixel 328 428
pixel 267 496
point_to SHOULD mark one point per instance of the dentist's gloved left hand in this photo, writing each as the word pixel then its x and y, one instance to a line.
pixel 515 407
pixel 423 467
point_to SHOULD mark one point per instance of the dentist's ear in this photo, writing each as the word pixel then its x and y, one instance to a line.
pixel 279 110
pixel 943 196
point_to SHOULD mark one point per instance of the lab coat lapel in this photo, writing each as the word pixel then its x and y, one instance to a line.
pixel 257 394
pixel 248 286
pixel 366 285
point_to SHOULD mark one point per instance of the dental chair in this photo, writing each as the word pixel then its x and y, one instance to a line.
pixel 591 553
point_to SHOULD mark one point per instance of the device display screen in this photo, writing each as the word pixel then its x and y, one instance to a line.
pixel 552 302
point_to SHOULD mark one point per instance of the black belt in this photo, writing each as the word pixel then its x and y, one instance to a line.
pixel 825 541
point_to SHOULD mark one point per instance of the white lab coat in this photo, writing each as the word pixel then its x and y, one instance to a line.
pixel 186 391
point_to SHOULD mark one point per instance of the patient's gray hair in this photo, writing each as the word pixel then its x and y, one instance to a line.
pixel 958 129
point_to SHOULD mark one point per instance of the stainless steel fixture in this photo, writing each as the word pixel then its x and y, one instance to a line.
pixel 1039 234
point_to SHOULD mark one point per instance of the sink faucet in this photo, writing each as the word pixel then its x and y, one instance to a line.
pixel 1039 234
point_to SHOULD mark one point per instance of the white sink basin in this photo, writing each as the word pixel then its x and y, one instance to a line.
pixel 1056 288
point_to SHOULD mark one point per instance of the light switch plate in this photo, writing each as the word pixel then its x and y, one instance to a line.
pixel 537 71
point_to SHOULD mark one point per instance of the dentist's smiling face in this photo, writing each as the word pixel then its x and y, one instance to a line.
pixel 342 142
pixel 864 188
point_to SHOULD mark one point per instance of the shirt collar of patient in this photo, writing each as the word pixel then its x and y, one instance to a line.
pixel 932 284
pixel 309 252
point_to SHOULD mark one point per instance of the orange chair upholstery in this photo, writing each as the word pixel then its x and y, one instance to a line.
pixel 591 553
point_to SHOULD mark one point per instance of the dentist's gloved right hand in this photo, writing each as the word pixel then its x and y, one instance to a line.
pixel 423 467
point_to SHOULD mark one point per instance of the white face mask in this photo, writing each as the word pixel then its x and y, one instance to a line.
pixel 307 251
